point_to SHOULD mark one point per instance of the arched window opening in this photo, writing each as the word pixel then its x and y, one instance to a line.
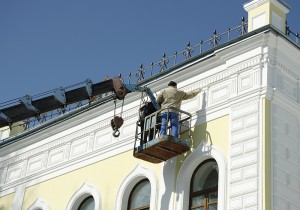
pixel 204 186
pixel 87 204
pixel 139 198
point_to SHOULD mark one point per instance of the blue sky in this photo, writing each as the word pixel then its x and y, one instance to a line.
pixel 48 44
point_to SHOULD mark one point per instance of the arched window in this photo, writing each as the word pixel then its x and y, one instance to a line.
pixel 139 198
pixel 87 204
pixel 204 186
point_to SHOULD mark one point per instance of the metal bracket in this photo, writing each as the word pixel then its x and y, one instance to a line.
pixel 88 86
pixel 27 101
pixel 60 95
pixel 3 116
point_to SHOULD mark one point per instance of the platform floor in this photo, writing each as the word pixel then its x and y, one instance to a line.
pixel 161 149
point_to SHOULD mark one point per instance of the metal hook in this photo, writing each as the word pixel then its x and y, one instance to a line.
pixel 116 133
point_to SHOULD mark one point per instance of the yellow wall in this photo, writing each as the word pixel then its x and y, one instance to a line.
pixel 215 132
pixel 257 11
pixel 58 191
pixel 266 130
pixel 6 202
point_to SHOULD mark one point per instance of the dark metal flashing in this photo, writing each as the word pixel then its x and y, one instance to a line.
pixel 54 121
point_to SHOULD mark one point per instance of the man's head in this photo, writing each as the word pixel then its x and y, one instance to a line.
pixel 173 84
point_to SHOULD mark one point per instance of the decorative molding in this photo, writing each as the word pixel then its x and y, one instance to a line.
pixel 283 68
pixel 15 172
pixel 102 138
pixel 128 129
pixel 83 192
pixel 35 164
pixel 219 94
pixel 56 156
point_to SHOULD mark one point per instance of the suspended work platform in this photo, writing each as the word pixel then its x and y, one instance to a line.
pixel 156 148
pixel 162 148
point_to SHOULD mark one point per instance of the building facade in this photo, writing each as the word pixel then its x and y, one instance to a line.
pixel 245 138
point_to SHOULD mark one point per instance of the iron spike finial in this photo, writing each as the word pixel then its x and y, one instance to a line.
pixel 163 62
pixel 140 73
pixel 151 65
pixel 215 38
pixel 129 77
pixel 175 57
pixel 188 50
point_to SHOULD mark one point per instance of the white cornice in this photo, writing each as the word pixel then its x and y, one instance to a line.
pixel 256 3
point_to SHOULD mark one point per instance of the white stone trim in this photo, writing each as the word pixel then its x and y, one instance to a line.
pixel 39 204
pixel 138 173
pixel 203 152
pixel 256 3
pixel 83 192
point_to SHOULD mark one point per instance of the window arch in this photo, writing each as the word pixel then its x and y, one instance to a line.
pixel 204 186
pixel 84 197
pixel 138 173
pixel 139 198
pixel 203 152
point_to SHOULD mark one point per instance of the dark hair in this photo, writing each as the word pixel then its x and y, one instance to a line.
pixel 172 83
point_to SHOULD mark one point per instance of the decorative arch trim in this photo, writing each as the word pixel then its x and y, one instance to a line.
pixel 39 204
pixel 203 152
pixel 83 192
pixel 137 174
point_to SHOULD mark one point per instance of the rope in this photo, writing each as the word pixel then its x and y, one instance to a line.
pixel 115 102
pixel 122 108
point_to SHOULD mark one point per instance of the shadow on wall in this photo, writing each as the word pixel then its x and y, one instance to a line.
pixel 171 167
pixel 199 133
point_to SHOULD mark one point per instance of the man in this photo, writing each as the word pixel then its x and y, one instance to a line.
pixel 171 97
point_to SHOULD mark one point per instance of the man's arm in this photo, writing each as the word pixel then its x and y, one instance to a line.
pixel 191 94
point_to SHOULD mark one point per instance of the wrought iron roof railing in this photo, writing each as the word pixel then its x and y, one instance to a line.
pixel 190 51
